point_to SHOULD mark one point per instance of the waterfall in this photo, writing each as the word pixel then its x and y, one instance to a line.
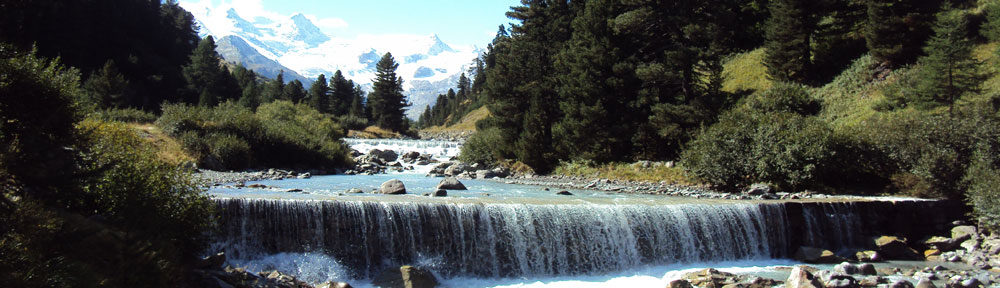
pixel 502 240
pixel 439 149
pixel 519 240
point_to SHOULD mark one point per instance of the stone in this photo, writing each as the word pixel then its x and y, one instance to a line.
pixel 456 169
pixel 355 191
pixel 710 278
pixel 393 186
pixel 306 175
pixel 331 284
pixel 895 248
pixel 800 278
pixel 901 284
pixel 439 193
pixel 943 244
pixel 951 257
pixel 814 255
pixel 293 190
pixel 257 186
pixel 931 252
pixel 212 261
pixel 564 192
pixel 450 183
pixel 925 283
pixel 868 256
pixel 385 156
pixel 485 174
pixel 410 157
pixel 758 189
pixel 832 279
pixel 867 269
pixel 962 233
pixel 680 283
pixel 406 277
pixel 970 245
pixel 847 268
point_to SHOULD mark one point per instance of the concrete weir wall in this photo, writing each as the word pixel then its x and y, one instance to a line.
pixel 508 240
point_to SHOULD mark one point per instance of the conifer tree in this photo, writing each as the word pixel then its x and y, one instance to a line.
pixel 896 29
pixel 107 87
pixel 949 70
pixel 341 94
pixel 357 104
pixel 274 90
pixel 387 102
pixel 787 45
pixel 319 94
pixel 206 76
pixel 294 91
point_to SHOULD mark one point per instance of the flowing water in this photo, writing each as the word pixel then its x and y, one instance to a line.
pixel 497 234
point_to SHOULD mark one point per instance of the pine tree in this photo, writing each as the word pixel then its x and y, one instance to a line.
pixel 275 89
pixel 949 69
pixel 341 94
pixel 294 91
pixel 896 29
pixel 206 76
pixel 319 94
pixel 357 104
pixel 107 87
pixel 787 46
pixel 387 102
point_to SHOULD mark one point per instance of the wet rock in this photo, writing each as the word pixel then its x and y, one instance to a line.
pixel 901 284
pixel 867 269
pixel 951 257
pixel 439 193
pixel 406 277
pixel 293 190
pixel 816 256
pixel 456 169
pixel 331 284
pixel 800 278
pixel 212 261
pixel 943 244
pixel 306 175
pixel 925 283
pixel 680 283
pixel 710 278
pixel 847 268
pixel 257 186
pixel 759 189
pixel 485 174
pixel 868 256
pixel 393 186
pixel 410 157
pixel 564 192
pixel 892 247
pixel 962 233
pixel 833 279
pixel 355 191
pixel 385 156
pixel 451 183
pixel 930 253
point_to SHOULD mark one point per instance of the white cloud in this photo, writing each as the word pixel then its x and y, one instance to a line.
pixel 327 23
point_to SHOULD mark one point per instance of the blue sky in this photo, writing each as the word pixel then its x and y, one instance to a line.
pixel 461 22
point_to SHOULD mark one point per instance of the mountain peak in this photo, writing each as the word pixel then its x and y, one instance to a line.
pixel 307 32
pixel 438 46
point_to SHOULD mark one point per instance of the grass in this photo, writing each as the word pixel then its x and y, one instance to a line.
pixel 165 146
pixel 745 72
pixel 373 132
pixel 627 172
pixel 468 122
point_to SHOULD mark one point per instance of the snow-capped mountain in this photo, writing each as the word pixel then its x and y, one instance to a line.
pixel 294 44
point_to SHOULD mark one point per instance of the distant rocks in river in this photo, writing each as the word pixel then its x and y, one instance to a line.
pixel 406 277
pixel 451 183
pixel 815 255
pixel 564 193
pixel 393 186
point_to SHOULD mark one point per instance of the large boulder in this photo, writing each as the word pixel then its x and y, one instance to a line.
pixel 331 284
pixel 925 283
pixel 895 248
pixel 962 233
pixel 451 183
pixel 758 189
pixel 679 283
pixel 406 277
pixel 800 278
pixel 485 174
pixel 710 278
pixel 901 284
pixel 868 256
pixel 393 186
pixel 815 255
pixel 456 169
pixel 942 244
pixel 410 157
pixel 385 155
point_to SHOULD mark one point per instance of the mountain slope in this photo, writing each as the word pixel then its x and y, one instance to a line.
pixel 235 49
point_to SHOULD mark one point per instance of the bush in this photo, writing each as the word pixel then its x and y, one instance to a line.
pixel 127 115
pixel 484 147
pixel 783 97
pixel 351 122
pixel 231 151
pixel 784 149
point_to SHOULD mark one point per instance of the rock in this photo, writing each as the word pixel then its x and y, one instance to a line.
pixel 405 277
pixel 901 284
pixel 439 193
pixel 212 261
pixel 962 233
pixel 456 169
pixel 929 253
pixel 355 191
pixel 925 283
pixel 951 257
pixel 758 189
pixel 942 243
pixel 867 269
pixel 970 245
pixel 847 268
pixel 451 183
pixel 393 186
pixel 257 186
pixel 501 172
pixel 410 157
pixel 895 248
pixel 680 283
pixel 710 278
pixel 564 192
pixel 833 279
pixel 293 190
pixel 385 156
pixel 816 256
pixel 868 256
pixel 331 284
pixel 968 283
pixel 800 278
pixel 485 174
pixel 306 175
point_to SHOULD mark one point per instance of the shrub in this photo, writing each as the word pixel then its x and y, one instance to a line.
pixel 783 97
pixel 484 147
pixel 351 122
pixel 744 147
pixel 127 115
pixel 232 152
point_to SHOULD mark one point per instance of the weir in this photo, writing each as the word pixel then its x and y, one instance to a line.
pixel 508 240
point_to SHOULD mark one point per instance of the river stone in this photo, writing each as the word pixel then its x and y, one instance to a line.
pixel 680 283
pixel 800 278
pixel 393 186
pixel 405 277
pixel 456 169
pixel 710 278
pixel 961 233
pixel 386 156
pixel 212 261
pixel 816 256
pixel 892 247
pixel 943 244
pixel 868 256
pixel 867 269
pixel 355 191
pixel 564 192
pixel 925 283
pixel 450 183
pixel 847 268
pixel 485 174
pixel 901 284
pixel 331 284
pixel 439 193
pixel 758 189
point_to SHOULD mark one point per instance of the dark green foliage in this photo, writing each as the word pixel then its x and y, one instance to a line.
pixel 207 77
pixel 351 122
pixel 358 103
pixel 484 147
pixel 896 29
pixel 274 90
pixel 149 41
pixel 948 71
pixel 788 47
pixel 294 92
pixel 341 94
pixel 279 134
pixel 767 139
pixel 319 94
pixel 127 115
pixel 107 88
pixel 387 102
